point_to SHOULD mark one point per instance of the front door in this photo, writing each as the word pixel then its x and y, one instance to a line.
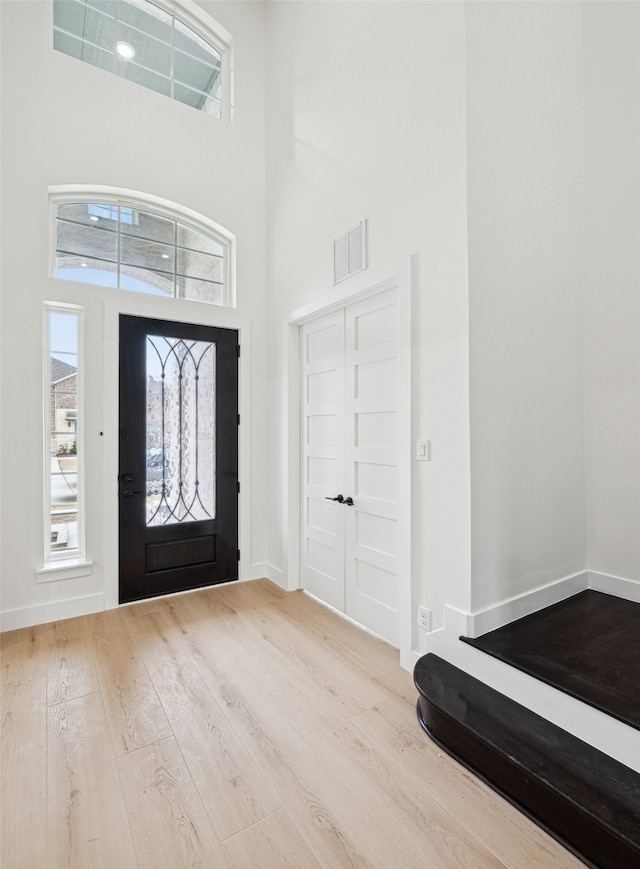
pixel 178 465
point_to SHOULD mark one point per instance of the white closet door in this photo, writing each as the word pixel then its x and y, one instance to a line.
pixel 322 556
pixel 350 448
pixel 371 463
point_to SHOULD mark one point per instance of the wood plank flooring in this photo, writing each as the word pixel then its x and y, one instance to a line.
pixel 237 726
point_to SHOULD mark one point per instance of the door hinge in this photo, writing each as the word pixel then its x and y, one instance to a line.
pixel 238 349
pixel 238 423
pixel 238 487
pixel 238 555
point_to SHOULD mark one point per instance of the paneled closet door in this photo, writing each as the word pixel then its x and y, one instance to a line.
pixel 350 453
pixel 371 464
pixel 322 556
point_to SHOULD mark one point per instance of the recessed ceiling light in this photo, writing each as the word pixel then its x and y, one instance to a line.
pixel 165 256
pixel 83 265
pixel 93 217
pixel 125 50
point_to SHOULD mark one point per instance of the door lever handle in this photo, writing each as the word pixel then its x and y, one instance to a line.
pixel 127 493
pixel 338 498
pixel 348 501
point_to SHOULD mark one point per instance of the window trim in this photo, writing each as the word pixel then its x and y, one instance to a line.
pixel 78 193
pixel 189 13
pixel 63 565
pixel 208 28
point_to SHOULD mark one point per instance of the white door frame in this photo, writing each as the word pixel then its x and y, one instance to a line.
pixel 184 312
pixel 361 286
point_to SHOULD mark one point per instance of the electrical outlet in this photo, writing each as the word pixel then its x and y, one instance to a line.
pixel 424 618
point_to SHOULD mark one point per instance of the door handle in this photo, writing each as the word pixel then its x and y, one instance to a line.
pixel 348 501
pixel 338 498
pixel 127 493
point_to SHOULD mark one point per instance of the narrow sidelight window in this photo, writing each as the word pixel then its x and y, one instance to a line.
pixel 63 434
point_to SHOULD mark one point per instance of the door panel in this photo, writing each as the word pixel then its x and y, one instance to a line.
pixel 376 585
pixel 371 461
pixel 376 480
pixel 375 325
pixel 322 563
pixel 178 470
pixel 375 378
pixel 376 430
pixel 376 532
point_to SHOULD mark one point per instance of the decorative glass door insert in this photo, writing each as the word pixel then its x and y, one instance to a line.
pixel 180 430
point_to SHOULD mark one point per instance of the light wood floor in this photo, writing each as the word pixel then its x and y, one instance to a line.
pixel 238 726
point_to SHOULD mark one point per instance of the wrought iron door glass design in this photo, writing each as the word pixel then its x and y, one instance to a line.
pixel 180 430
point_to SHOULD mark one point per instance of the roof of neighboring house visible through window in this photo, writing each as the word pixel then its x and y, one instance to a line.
pixel 61 370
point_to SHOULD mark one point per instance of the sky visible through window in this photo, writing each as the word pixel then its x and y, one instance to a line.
pixel 63 336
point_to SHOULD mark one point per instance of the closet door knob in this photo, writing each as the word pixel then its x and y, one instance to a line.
pixel 338 498
pixel 348 501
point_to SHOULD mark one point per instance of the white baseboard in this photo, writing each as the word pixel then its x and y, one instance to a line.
pixel 276 575
pixel 474 624
pixel 40 614
pixel 618 586
pixel 257 570
pixel 517 607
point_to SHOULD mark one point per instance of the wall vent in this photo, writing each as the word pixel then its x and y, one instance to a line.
pixel 350 252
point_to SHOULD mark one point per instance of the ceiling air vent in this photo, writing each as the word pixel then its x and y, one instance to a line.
pixel 350 252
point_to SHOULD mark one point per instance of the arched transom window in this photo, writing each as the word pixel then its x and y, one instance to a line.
pixel 166 46
pixel 131 245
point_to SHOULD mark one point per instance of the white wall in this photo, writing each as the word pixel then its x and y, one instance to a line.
pixel 378 111
pixel 365 119
pixel 65 122
pixel 612 287
pixel 371 107
pixel 525 200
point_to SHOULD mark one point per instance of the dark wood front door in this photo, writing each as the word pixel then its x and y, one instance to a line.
pixel 178 470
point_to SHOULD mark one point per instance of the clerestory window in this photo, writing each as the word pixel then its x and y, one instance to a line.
pixel 116 242
pixel 164 46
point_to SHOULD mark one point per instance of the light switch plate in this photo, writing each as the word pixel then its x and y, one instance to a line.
pixel 423 450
